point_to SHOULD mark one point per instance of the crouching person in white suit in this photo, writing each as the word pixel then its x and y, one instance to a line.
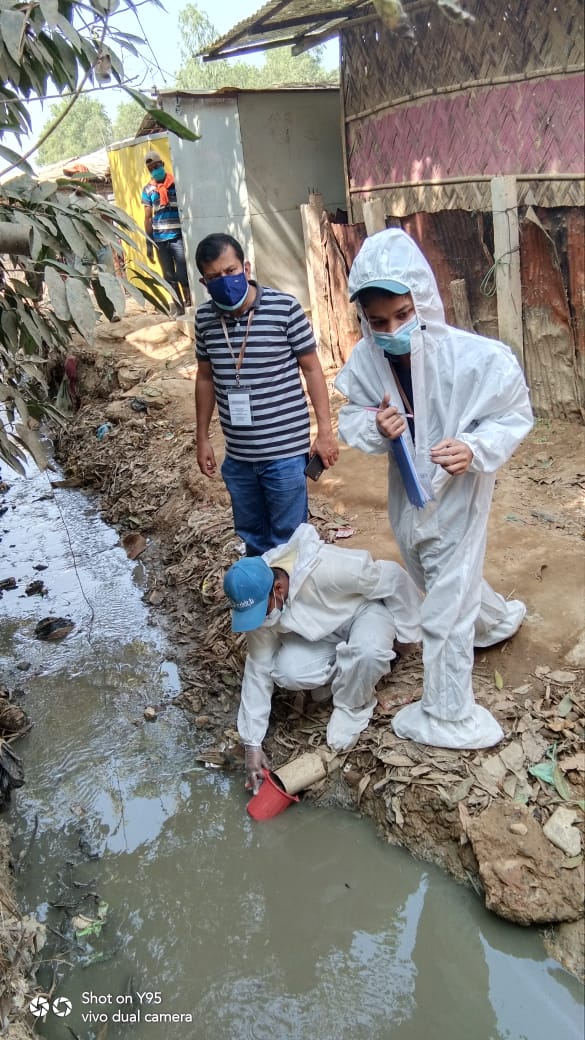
pixel 317 615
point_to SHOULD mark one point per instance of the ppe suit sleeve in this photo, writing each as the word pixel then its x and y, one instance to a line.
pixel 382 580
pixel 496 436
pixel 357 427
pixel 359 382
pixel 257 686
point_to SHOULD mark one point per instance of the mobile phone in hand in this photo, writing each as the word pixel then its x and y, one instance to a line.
pixel 314 467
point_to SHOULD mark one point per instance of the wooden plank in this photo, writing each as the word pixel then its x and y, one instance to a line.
pixel 549 346
pixel 507 263
pixel 343 321
pixel 311 221
pixel 374 215
pixel 461 305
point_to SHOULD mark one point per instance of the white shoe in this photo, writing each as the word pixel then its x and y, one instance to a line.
pixel 346 724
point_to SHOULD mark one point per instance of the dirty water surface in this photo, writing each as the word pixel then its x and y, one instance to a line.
pixel 169 912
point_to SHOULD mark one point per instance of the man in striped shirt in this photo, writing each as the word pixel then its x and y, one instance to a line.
pixel 252 343
pixel 162 224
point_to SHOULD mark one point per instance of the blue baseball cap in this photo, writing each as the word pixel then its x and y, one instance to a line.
pixel 248 584
pixel 382 283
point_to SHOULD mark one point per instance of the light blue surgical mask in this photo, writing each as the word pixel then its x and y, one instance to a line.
pixel 396 343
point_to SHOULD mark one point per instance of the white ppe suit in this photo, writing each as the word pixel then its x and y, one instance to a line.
pixel 471 389
pixel 338 625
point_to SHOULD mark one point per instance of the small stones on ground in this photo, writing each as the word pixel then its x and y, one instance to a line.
pixel 560 831
pixel 518 828
pixel 150 714
pixel 36 588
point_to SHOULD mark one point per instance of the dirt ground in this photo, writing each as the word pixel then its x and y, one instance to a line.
pixel 508 821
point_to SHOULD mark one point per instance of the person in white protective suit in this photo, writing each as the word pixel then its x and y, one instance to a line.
pixel 317 615
pixel 461 403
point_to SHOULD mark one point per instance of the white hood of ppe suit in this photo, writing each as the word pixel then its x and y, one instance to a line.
pixel 327 587
pixel 456 385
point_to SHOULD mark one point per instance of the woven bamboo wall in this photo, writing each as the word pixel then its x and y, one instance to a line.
pixel 426 126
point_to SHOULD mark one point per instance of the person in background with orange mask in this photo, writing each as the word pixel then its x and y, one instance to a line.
pixel 162 224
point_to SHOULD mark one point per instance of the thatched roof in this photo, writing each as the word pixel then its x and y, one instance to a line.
pixel 300 23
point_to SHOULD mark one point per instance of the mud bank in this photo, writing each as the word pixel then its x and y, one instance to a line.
pixel 21 940
pixel 508 821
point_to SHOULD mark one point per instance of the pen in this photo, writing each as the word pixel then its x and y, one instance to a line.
pixel 407 415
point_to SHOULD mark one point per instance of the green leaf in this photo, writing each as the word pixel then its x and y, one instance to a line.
pixel 166 120
pixel 560 785
pixel 12 454
pixel 498 680
pixel 32 444
pixel 9 326
pixel 113 288
pixel 57 293
pixel 50 9
pixel 81 307
pixel 15 159
pixel 12 27
pixel 543 771
pixel 71 235
pixel 102 299
pixel 565 706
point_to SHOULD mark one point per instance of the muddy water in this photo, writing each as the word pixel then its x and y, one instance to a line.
pixel 304 927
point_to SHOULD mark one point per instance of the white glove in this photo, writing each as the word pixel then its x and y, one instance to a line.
pixel 255 761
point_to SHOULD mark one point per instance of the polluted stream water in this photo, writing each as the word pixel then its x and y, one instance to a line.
pixel 170 913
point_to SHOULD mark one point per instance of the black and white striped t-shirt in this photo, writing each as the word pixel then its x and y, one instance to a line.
pixel 279 335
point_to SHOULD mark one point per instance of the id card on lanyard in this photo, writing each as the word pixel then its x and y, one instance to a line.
pixel 239 397
pixel 240 406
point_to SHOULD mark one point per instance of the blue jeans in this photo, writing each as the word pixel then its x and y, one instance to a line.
pixel 269 500
pixel 171 257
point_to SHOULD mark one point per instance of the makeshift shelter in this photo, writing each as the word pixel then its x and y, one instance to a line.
pixel 469 132
pixel 259 153
pixel 92 169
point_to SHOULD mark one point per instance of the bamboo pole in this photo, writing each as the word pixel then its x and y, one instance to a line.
pixel 472 178
pixel 461 304
pixel 507 263
pixel 311 222
pixel 452 88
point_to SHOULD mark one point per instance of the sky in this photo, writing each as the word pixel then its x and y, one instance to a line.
pixel 156 67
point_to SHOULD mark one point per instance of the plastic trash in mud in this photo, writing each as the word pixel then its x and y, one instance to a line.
pixel 13 718
pixel 302 772
pixel 36 588
pixel 138 404
pixel 134 544
pixel 271 799
pixel 52 629
pixel 11 771
pixel 103 430
pixel 86 927
pixel 280 787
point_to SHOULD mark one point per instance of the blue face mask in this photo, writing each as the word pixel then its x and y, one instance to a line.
pixel 228 291
pixel 396 343
pixel 158 174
